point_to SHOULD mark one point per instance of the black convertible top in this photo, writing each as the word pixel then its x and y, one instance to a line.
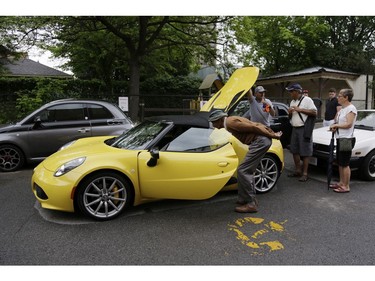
pixel 199 119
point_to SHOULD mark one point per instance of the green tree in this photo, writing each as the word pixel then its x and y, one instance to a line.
pixel 280 44
pixel 127 47
pixel 288 43
pixel 350 44
pixel 115 48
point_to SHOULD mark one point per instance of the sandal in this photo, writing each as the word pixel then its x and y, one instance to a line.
pixel 341 190
pixel 334 185
pixel 304 178
pixel 294 175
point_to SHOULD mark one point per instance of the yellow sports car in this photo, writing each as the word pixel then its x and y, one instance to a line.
pixel 165 157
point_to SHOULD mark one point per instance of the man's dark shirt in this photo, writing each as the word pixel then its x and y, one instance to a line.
pixel 331 109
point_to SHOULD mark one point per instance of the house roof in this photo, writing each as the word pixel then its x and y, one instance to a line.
pixel 317 71
pixel 28 68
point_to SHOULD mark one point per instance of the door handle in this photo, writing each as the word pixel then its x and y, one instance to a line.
pixel 223 164
pixel 83 130
pixel 114 122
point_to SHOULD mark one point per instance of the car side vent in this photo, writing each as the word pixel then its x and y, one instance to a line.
pixel 40 192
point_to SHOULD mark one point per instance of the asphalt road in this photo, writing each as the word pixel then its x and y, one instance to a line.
pixel 298 224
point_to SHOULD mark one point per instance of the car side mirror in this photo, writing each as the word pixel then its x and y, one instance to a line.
pixel 154 158
pixel 37 123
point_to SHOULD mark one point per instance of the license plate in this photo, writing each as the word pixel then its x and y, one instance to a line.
pixel 313 161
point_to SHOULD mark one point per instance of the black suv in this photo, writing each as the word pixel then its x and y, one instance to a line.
pixel 45 130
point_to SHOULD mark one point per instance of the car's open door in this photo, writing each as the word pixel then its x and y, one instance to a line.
pixel 197 165
pixel 233 91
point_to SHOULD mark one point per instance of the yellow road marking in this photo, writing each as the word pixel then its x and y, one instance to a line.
pixel 255 241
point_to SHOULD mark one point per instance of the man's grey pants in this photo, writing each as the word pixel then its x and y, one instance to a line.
pixel 246 170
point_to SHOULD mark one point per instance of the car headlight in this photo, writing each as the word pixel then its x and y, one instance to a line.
pixel 68 166
pixel 66 145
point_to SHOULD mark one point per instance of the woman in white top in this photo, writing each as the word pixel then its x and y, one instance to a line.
pixel 344 128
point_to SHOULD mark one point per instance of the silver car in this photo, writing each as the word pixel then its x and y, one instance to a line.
pixel 45 130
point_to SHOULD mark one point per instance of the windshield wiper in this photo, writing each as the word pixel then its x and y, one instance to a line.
pixel 364 127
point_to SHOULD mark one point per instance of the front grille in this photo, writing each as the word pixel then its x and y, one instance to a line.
pixel 40 192
pixel 321 147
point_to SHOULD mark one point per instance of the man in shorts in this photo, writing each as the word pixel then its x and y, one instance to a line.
pixel 301 145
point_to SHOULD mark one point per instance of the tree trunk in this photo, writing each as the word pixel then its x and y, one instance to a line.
pixel 134 83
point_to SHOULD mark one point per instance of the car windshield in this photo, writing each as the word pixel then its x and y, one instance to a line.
pixel 199 140
pixel 365 119
pixel 140 136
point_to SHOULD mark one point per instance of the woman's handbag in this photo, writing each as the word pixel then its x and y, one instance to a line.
pixel 346 144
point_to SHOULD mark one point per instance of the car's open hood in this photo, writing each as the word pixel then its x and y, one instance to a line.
pixel 234 90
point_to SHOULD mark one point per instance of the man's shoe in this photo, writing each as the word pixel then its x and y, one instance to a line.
pixel 242 202
pixel 247 208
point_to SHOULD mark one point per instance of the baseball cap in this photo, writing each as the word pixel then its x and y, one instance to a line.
pixel 295 86
pixel 216 115
pixel 259 89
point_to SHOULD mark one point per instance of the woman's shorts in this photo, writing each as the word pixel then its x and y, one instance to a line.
pixel 343 157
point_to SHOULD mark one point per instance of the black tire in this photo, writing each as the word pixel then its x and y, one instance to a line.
pixel 367 170
pixel 104 196
pixel 11 158
pixel 267 174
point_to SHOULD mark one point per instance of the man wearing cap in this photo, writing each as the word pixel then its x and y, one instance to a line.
pixel 258 137
pixel 260 108
pixel 301 146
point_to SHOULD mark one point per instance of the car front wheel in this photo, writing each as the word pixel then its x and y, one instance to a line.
pixel 368 167
pixel 11 158
pixel 267 174
pixel 103 196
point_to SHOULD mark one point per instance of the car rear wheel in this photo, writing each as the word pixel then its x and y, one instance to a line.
pixel 11 158
pixel 368 167
pixel 103 196
pixel 266 174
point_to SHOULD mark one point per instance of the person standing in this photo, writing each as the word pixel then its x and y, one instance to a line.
pixel 332 107
pixel 344 129
pixel 301 146
pixel 259 138
pixel 261 109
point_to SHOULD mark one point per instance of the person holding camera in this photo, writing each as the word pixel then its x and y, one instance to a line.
pixel 261 109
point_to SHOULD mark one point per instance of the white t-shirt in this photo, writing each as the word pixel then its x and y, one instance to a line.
pixel 306 103
pixel 342 118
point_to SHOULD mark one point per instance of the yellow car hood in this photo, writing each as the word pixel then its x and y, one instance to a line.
pixel 84 147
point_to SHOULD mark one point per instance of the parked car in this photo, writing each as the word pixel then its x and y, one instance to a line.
pixel 363 155
pixel 164 157
pixel 45 130
pixel 280 122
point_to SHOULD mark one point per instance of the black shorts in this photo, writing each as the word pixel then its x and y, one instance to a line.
pixel 343 157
